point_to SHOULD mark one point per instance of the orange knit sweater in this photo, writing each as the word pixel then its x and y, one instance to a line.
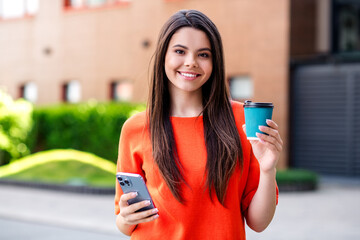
pixel 200 217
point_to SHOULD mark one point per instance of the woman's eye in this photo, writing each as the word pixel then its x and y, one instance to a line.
pixel 179 51
pixel 204 55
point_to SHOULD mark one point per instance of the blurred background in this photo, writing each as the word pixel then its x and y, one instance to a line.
pixel 302 55
pixel 72 71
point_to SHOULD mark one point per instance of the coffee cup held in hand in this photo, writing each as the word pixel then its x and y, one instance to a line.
pixel 256 114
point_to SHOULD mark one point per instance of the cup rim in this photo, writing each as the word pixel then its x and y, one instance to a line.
pixel 250 104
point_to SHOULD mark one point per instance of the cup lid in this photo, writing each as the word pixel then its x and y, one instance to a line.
pixel 249 103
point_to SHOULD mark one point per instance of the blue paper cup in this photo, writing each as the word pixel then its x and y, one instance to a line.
pixel 256 114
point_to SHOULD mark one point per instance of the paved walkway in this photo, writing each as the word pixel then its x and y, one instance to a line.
pixel 332 212
pixel 45 209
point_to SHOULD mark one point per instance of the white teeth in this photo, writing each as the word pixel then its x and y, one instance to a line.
pixel 188 75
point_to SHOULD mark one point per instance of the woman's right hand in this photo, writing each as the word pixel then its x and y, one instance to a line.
pixel 128 213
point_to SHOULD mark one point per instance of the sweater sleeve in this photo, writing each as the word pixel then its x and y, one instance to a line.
pixel 251 183
pixel 129 157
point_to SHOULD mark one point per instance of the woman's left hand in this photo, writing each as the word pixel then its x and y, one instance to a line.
pixel 268 148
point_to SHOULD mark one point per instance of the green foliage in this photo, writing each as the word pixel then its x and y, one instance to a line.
pixel 92 127
pixel 15 125
pixel 290 176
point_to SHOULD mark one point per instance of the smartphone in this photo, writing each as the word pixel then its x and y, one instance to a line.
pixel 132 182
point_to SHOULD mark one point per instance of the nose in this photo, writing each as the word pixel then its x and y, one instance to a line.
pixel 190 61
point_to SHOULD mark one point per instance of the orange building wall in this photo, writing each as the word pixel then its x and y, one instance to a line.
pixel 96 46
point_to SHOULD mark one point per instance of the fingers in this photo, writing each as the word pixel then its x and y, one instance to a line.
pixel 272 124
pixel 273 136
pixel 140 217
pixel 270 141
pixel 125 198
pixel 129 214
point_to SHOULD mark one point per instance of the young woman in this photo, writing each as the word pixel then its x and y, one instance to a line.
pixel 204 176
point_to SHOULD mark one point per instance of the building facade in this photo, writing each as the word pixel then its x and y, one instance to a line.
pixel 325 86
pixel 76 50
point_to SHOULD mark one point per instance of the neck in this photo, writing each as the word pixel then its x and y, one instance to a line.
pixel 186 104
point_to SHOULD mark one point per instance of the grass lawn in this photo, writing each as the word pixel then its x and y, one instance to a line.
pixel 62 167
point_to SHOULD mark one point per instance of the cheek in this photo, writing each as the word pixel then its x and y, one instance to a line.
pixel 167 66
pixel 208 68
pixel 171 66
pixel 168 69
pixel 172 63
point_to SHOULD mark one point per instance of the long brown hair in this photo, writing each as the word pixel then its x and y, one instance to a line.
pixel 221 136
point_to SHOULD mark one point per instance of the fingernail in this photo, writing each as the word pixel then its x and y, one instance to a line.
pixel 147 203
pixel 155 210
pixel 134 194
pixel 268 120
pixel 261 128
pixel 156 216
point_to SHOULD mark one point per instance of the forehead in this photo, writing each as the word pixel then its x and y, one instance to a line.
pixel 190 37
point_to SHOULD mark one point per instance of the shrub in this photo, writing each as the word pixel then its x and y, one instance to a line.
pixel 296 180
pixel 91 127
pixel 15 125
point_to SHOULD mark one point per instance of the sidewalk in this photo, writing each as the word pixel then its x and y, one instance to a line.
pixel 332 212
pixel 93 213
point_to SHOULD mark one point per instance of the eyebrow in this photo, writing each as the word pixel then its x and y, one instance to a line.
pixel 199 50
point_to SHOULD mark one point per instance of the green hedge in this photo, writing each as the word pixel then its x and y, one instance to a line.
pixel 91 127
pixel 15 125
pixel 296 180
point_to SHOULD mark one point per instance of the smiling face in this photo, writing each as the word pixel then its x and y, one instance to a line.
pixel 188 61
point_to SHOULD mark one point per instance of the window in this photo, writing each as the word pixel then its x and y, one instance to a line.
pixel 74 4
pixel 18 8
pixel 32 6
pixel 71 92
pixel 346 25
pixel 241 87
pixel 121 90
pixel 95 3
pixel 29 92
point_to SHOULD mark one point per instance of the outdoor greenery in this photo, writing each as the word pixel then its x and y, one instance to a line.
pixel 296 179
pixel 70 167
pixel 92 127
pixel 15 125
